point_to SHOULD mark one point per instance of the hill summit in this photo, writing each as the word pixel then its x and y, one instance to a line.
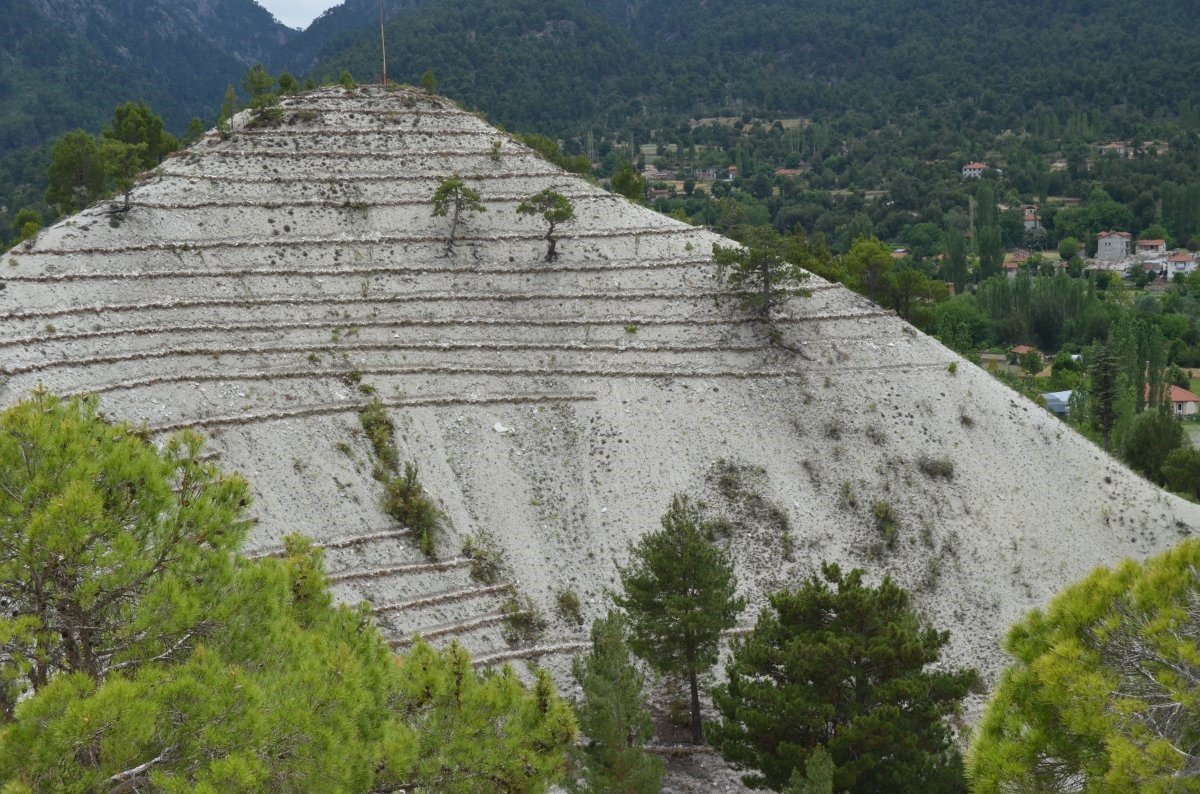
pixel 272 281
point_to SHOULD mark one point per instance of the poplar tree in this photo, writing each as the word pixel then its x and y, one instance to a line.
pixel 1102 391
pixel 454 198
pixel 613 718
pixel 841 671
pixel 679 593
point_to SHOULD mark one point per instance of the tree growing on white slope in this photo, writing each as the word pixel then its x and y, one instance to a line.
pixel 555 209
pixel 455 199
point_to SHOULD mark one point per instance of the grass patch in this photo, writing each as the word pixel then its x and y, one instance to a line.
pixel 406 501
pixel 523 621
pixel 933 467
pixel 568 606
pixel 886 521
pixel 382 434
pixel 847 498
pixel 487 557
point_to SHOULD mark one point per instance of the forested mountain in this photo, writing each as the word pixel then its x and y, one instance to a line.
pixel 995 61
pixel 67 63
pixel 544 65
pixel 894 96
pixel 338 28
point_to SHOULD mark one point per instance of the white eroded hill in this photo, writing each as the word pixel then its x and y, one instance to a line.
pixel 260 281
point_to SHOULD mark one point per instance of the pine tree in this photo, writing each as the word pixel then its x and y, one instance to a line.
pixel 628 183
pixel 454 198
pixel 1101 692
pixel 258 82
pixel 139 651
pixel 613 718
pixel 555 208
pixel 843 670
pixel 102 520
pixel 229 105
pixel 765 271
pixel 135 124
pixel 76 176
pixel 679 593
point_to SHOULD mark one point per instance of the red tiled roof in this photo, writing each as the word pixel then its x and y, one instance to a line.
pixel 1021 350
pixel 974 165
pixel 1182 256
pixel 1177 395
pixel 1151 243
pixel 1103 235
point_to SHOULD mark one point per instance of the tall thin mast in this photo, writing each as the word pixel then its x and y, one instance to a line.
pixel 382 42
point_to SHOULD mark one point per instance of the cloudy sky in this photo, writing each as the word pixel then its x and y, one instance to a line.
pixel 297 13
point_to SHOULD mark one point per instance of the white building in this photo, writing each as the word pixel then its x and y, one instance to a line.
pixel 973 170
pixel 1113 245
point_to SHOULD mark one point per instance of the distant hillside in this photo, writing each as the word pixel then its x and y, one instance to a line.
pixel 67 63
pixel 541 65
pixel 996 59
pixel 337 29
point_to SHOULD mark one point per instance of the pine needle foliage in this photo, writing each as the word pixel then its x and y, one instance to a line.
pixel 1101 692
pixel 613 717
pixel 843 668
pixel 679 594
pixel 140 652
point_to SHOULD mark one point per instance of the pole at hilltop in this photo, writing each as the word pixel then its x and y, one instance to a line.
pixel 382 43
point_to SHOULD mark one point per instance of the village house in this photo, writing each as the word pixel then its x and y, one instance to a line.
pixel 1113 245
pixel 1033 221
pixel 1115 149
pixel 652 174
pixel 1181 262
pixel 1151 246
pixel 1183 402
pixel 973 170
pixel 1019 350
